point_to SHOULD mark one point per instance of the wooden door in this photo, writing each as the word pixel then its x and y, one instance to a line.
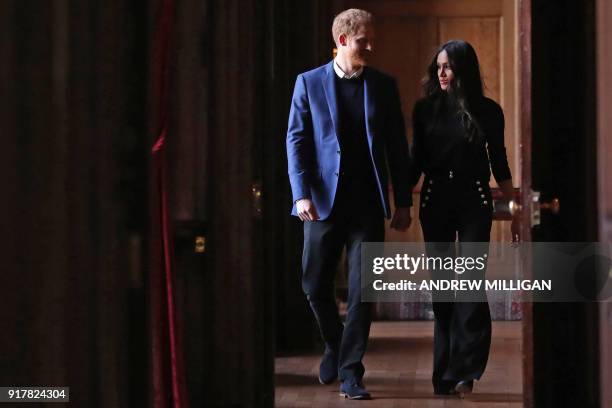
pixel 562 357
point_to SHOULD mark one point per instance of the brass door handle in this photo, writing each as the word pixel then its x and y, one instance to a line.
pixel 514 207
pixel 554 206
pixel 199 244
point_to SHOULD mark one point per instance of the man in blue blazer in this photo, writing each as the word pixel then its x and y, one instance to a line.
pixel 345 128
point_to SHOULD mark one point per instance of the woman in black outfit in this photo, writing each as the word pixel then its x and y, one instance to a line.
pixel 458 140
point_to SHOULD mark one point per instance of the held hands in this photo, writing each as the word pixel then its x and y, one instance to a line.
pixel 401 219
pixel 306 210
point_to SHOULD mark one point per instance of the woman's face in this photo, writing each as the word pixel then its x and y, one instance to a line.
pixel 445 73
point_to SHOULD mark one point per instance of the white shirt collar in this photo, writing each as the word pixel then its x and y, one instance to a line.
pixel 342 74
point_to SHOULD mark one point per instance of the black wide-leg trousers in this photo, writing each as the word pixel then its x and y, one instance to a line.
pixel 323 245
pixel 458 209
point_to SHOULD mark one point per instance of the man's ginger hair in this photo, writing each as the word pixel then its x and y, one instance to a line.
pixel 349 21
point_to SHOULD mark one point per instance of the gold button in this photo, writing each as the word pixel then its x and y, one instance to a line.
pixel 482 195
pixel 479 188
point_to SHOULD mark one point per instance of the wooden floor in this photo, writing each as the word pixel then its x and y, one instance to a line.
pixel 398 372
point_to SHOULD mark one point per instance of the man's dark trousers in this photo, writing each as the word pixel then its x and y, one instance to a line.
pixel 349 225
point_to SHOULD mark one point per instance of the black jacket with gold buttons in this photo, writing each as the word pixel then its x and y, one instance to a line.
pixel 441 143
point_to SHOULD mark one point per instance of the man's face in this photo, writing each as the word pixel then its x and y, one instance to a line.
pixel 358 47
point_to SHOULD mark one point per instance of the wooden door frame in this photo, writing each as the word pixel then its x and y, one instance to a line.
pixel 525 152
pixel 603 22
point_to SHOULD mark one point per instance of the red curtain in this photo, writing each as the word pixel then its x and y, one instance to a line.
pixel 168 378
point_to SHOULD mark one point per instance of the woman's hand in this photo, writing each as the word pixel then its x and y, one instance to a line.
pixel 515 229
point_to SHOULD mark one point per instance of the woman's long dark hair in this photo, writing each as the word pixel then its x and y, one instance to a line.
pixel 466 89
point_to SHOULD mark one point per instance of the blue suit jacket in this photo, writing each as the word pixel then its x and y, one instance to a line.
pixel 313 150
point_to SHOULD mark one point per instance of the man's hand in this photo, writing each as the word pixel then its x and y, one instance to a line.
pixel 401 219
pixel 306 210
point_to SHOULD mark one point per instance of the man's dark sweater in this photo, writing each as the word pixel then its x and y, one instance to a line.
pixel 357 180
